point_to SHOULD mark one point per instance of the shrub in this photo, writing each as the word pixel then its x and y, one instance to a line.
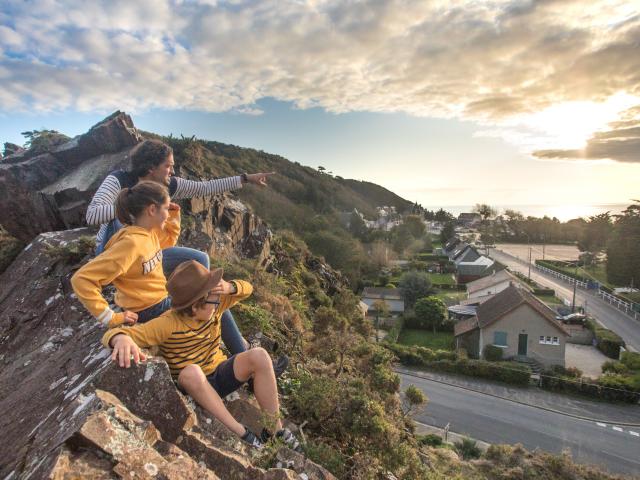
pixel 607 341
pixel 631 360
pixel 431 440
pixel 492 353
pixel 613 366
pixel 430 312
pixel 468 449
pixel 609 387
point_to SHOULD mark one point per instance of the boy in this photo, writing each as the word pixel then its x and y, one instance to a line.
pixel 189 339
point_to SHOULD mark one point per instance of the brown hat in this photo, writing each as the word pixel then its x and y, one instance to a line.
pixel 190 282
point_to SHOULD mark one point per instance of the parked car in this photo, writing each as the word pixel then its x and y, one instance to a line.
pixel 572 318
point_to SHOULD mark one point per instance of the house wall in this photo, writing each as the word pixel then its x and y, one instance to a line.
pixel 470 342
pixel 525 319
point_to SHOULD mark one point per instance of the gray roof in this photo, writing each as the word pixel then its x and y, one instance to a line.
pixel 386 293
pixel 489 281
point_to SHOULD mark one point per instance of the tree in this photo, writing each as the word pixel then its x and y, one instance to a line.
pixel 380 254
pixel 447 232
pixel 321 169
pixel 443 216
pixel 415 226
pixel 623 254
pixel 414 285
pixel 430 312
pixel 596 233
pixel 413 401
pixel 401 238
pixel 41 141
pixel 484 210
pixel 357 227
pixel 382 310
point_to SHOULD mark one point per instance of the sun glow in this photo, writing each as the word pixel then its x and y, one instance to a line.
pixel 571 124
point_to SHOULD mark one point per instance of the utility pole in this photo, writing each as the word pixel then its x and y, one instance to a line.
pixel 529 263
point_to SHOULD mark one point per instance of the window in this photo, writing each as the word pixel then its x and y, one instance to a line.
pixel 549 341
pixel 500 339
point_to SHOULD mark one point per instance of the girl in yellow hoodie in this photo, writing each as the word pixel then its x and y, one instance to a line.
pixel 132 259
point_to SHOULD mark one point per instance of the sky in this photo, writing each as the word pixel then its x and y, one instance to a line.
pixel 444 102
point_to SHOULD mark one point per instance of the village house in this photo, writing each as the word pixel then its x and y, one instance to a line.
pixel 392 297
pixel 469 220
pixel 517 322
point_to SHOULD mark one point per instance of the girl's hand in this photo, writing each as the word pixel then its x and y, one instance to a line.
pixel 174 206
pixel 223 288
pixel 259 179
pixel 130 318
pixel 123 349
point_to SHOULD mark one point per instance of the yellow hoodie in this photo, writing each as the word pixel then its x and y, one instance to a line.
pixel 132 261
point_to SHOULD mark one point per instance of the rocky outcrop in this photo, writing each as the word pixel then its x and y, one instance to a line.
pixel 51 191
pixel 70 412
pixel 40 193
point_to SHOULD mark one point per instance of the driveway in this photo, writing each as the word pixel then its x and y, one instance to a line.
pixel 585 357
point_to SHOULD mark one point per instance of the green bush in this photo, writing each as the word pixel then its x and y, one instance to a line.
pixel 544 291
pixel 444 361
pixel 607 341
pixel 609 387
pixel 431 440
pixel 492 353
pixel 613 366
pixel 468 449
pixel 631 360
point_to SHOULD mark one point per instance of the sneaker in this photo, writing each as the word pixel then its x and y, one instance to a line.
pixel 285 435
pixel 279 367
pixel 250 438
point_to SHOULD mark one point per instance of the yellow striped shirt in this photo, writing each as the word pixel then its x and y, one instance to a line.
pixel 184 340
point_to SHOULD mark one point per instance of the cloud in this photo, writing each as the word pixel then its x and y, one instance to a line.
pixel 499 63
pixel 621 142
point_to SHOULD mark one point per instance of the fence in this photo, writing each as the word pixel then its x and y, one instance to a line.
pixel 630 308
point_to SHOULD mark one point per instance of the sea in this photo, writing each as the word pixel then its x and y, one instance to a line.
pixel 561 212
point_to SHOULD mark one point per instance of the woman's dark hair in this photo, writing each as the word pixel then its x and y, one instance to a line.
pixel 132 201
pixel 148 155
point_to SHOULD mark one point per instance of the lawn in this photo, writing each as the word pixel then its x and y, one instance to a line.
pixel 442 278
pixel 551 300
pixel 451 297
pixel 424 338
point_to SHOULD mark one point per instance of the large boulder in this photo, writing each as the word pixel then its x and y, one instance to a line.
pixel 40 193
pixel 70 412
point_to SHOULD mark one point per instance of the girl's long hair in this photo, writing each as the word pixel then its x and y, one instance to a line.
pixel 131 202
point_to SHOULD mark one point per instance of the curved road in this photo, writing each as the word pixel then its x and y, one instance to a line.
pixel 608 316
pixel 494 420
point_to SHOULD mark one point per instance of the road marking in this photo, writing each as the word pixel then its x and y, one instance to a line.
pixel 635 434
pixel 617 429
pixel 600 424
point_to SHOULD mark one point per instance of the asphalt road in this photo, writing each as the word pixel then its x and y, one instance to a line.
pixel 494 420
pixel 608 316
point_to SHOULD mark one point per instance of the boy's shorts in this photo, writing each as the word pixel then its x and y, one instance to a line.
pixel 223 380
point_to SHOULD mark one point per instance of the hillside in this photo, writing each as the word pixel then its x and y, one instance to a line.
pixel 294 195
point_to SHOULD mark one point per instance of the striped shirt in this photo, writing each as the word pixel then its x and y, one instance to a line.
pixel 102 208
pixel 184 340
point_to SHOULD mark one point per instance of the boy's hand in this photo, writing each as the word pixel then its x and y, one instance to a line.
pixel 130 318
pixel 123 348
pixel 223 288
pixel 174 206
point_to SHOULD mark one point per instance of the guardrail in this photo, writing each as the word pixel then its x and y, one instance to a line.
pixel 626 307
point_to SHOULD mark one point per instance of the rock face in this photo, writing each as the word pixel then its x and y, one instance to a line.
pixel 43 192
pixel 51 191
pixel 71 413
